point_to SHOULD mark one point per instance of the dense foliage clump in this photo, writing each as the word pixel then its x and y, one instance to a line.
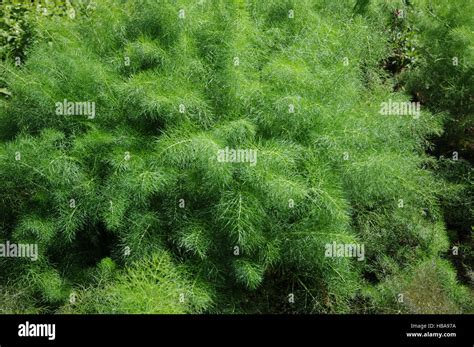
pixel 132 209
pixel 434 48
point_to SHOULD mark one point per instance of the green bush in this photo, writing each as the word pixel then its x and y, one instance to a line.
pixel 152 285
pixel 140 183
pixel 428 287
pixel 18 25
pixel 443 78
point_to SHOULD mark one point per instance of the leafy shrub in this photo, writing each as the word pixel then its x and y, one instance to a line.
pixel 141 182
pixel 18 18
pixel 443 79
pixel 427 287
pixel 152 285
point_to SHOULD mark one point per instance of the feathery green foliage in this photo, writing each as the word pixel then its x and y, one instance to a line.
pixel 132 208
